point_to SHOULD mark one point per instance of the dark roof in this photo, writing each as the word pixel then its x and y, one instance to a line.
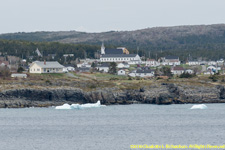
pixel 178 68
pixel 119 55
pixel 103 65
pixel 113 51
pixel 144 71
pixel 83 69
pixel 171 57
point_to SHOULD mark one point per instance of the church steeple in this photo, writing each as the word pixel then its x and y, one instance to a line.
pixel 102 49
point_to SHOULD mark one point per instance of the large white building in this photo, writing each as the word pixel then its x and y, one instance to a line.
pixel 46 67
pixel 171 61
pixel 120 54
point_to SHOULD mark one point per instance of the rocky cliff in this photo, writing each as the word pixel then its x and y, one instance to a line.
pixel 154 94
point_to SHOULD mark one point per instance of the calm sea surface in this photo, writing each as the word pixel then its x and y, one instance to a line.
pixel 110 128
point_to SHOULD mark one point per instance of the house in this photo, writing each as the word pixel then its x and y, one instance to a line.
pixel 70 68
pixel 17 75
pixel 121 72
pixel 68 55
pixel 177 70
pixel 152 63
pixel 83 69
pixel 103 67
pixel 123 65
pixel 46 67
pixel 129 58
pixel 213 68
pixel 170 60
pixel 212 63
pixel 84 64
pixel 193 63
pixel 142 73
pixel 189 71
pixel 120 54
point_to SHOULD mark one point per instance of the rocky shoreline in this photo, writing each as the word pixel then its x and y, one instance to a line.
pixel 154 94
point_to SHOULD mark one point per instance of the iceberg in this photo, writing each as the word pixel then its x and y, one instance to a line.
pixel 82 106
pixel 64 106
pixel 200 106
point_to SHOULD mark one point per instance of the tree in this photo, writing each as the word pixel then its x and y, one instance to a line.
pixel 20 69
pixel 112 68
pixel 166 71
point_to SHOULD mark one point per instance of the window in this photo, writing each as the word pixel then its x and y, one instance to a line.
pixel 38 69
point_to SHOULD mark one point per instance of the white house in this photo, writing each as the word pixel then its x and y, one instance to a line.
pixel 121 72
pixel 152 63
pixel 213 68
pixel 212 63
pixel 130 58
pixel 142 73
pixel 177 70
pixel 123 65
pixel 46 67
pixel 84 64
pixel 103 67
pixel 17 75
pixel 70 68
pixel 170 60
pixel 193 63
pixel 189 71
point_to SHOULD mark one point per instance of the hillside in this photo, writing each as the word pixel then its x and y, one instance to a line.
pixel 200 40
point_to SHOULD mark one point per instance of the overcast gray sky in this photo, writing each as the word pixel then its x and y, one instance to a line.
pixel 106 15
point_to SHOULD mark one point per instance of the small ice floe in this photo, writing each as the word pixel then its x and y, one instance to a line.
pixel 200 106
pixel 82 106
pixel 64 106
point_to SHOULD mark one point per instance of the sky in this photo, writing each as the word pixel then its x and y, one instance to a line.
pixel 106 15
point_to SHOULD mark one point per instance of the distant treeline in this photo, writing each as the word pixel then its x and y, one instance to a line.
pixel 25 49
pixel 189 47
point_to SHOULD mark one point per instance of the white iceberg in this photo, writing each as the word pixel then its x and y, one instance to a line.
pixel 75 106
pixel 200 106
pixel 82 106
pixel 64 106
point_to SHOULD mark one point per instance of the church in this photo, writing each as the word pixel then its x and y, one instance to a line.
pixel 121 54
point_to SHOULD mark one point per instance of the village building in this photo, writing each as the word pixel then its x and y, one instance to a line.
pixel 120 54
pixel 46 67
pixel 69 68
pixel 104 67
pixel 152 63
pixel 170 60
pixel 212 63
pixel 121 72
pixel 142 73
pixel 177 70
pixel 123 65
pixel 193 63
pixel 83 69
pixel 84 64
pixel 189 71
pixel 17 75
pixel 213 69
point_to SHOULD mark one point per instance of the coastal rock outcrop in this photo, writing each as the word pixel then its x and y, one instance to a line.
pixel 154 94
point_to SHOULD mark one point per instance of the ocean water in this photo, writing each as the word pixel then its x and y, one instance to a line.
pixel 111 128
